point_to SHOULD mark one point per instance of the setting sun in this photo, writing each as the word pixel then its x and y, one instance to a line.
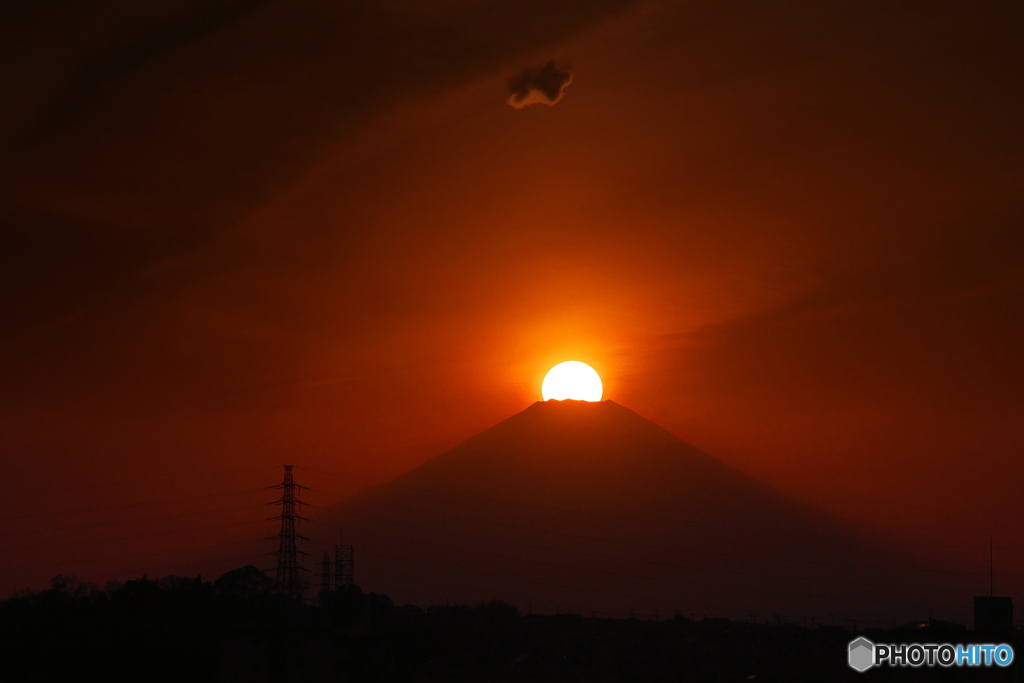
pixel 572 379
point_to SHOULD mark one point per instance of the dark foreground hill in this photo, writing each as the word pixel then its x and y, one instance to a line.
pixel 591 508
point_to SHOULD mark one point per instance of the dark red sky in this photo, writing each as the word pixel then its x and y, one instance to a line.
pixel 238 234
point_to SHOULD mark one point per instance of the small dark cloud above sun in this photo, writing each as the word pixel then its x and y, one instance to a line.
pixel 538 85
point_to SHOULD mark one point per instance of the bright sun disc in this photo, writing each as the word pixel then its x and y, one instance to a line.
pixel 572 379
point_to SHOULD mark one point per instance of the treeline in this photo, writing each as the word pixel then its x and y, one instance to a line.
pixel 237 629
pixel 172 628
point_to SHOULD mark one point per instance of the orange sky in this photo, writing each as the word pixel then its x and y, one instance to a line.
pixel 239 234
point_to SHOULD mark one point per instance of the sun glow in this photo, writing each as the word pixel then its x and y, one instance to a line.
pixel 572 379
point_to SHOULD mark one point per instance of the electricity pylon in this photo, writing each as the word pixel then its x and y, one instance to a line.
pixel 287 580
pixel 326 585
pixel 344 565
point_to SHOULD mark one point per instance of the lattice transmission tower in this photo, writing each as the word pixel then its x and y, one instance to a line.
pixel 288 579
pixel 344 565
pixel 326 585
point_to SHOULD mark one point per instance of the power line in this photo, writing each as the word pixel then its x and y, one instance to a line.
pixel 644 520
pixel 135 481
pixel 126 521
pixel 616 574
pixel 602 591
pixel 605 556
pixel 126 506
pixel 79 541
pixel 160 553
pixel 638 543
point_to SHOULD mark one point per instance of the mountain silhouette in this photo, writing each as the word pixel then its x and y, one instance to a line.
pixel 590 508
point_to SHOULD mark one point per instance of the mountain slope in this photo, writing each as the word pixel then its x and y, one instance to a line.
pixel 592 508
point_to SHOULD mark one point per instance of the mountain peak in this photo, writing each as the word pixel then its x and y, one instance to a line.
pixel 560 502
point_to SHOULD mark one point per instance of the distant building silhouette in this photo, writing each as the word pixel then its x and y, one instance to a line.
pixel 993 613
